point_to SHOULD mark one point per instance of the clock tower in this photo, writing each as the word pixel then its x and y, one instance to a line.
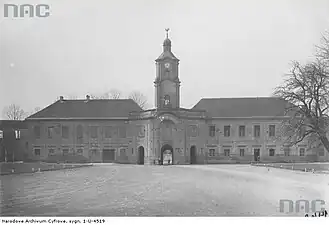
pixel 167 83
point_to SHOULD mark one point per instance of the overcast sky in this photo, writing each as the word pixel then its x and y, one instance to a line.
pixel 231 48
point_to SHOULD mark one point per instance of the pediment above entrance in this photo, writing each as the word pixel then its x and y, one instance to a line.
pixel 170 117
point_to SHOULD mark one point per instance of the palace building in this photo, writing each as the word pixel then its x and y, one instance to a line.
pixel 215 130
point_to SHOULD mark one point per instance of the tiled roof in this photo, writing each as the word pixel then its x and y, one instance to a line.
pixel 98 108
pixel 14 124
pixel 242 107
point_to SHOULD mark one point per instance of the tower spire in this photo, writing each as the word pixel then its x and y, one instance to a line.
pixel 167 30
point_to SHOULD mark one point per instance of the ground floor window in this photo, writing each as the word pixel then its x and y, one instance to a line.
pixel 286 152
pixel 93 152
pixel 302 152
pixel 37 151
pixel 51 151
pixel 271 152
pixel 211 152
pixel 241 151
pixel 227 152
pixel 79 151
pixel 321 152
pixel 65 151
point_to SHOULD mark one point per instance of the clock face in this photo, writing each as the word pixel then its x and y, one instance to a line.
pixel 167 65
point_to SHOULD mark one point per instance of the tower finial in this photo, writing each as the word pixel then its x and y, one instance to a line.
pixel 167 30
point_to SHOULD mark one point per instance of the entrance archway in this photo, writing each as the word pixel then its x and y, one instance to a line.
pixel 193 154
pixel 167 155
pixel 140 155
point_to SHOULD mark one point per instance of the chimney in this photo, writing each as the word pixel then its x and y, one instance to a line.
pixel 87 97
pixel 61 98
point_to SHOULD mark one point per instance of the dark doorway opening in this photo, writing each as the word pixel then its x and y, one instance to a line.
pixel 167 155
pixel 256 154
pixel 108 155
pixel 193 154
pixel 140 155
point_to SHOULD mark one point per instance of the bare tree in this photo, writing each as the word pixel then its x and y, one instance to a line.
pixel 306 88
pixel 114 94
pixel 14 112
pixel 139 98
pixel 323 48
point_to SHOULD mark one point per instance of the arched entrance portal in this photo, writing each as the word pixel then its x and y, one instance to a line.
pixel 140 155
pixel 167 155
pixel 193 154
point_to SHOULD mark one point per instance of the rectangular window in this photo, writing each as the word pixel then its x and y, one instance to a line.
pixel 193 131
pixel 141 131
pixel 256 130
pixel 93 152
pixel 212 130
pixel 242 131
pixel 302 152
pixel 50 131
pixel 17 134
pixel 211 152
pixel 241 152
pixel 122 132
pixel 37 151
pixel 37 131
pixel 93 131
pixel 227 152
pixel 321 152
pixel 51 151
pixel 286 152
pixel 65 132
pixel 271 152
pixel 108 132
pixel 79 151
pixel 65 151
pixel 271 129
pixel 227 131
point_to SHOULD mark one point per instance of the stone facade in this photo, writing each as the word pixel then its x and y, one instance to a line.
pixel 188 136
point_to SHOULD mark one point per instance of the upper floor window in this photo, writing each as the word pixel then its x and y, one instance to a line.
pixel 17 134
pixel 212 130
pixel 93 131
pixel 108 132
pixel 141 131
pixel 1 134
pixel 227 131
pixel 271 129
pixel 241 151
pixel 256 130
pixel 79 132
pixel 193 131
pixel 122 132
pixel 50 131
pixel 271 152
pixel 65 132
pixel 242 131
pixel 37 131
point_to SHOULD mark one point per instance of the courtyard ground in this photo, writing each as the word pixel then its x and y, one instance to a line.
pixel 137 190
pixel 316 167
pixel 20 167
